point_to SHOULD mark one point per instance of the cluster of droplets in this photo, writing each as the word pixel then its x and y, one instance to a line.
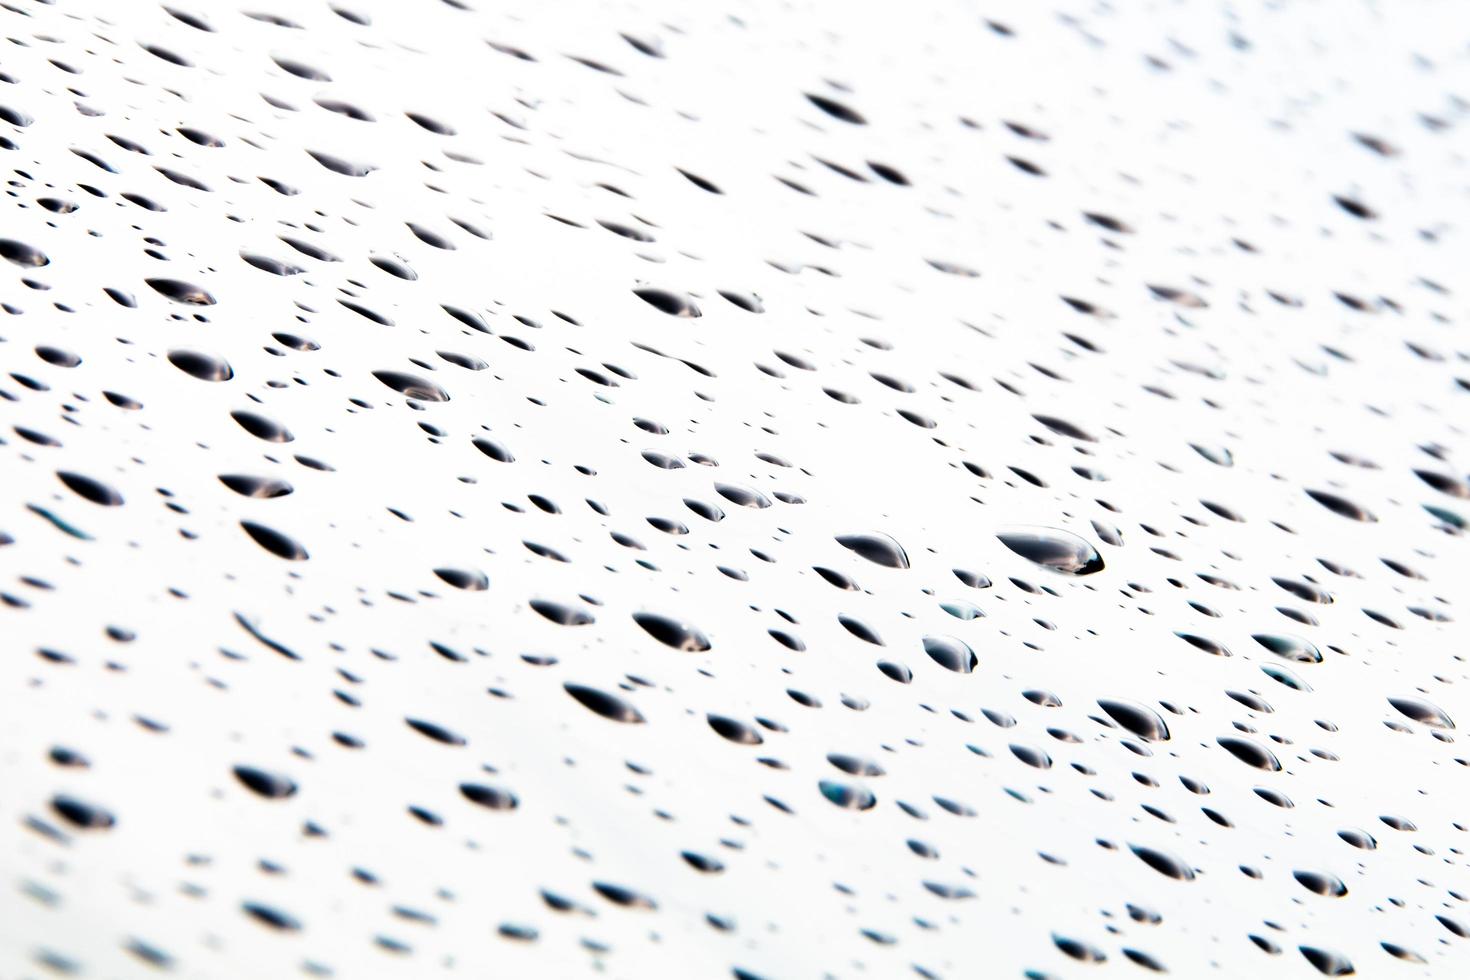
pixel 490 492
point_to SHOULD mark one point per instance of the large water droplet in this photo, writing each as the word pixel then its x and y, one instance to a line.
pixel 1061 551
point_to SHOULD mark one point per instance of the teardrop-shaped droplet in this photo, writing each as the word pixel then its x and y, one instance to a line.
pixel 951 653
pixel 89 488
pixel 205 367
pixel 674 304
pixel 1163 862
pixel 271 785
pixel 735 730
pixel 1292 648
pixel 847 796
pixel 21 254
pixel 605 704
pixel 877 548
pixel 1321 882
pixel 258 487
pixel 489 797
pixel 470 580
pixel 1341 505
pixel 1139 719
pixel 1423 712
pixel 672 632
pixel 182 292
pixel 82 814
pixel 412 386
pixel 1249 752
pixel 274 541
pixel 1053 548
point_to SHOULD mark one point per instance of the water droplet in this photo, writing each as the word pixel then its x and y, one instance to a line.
pixel 1251 753
pixel 1292 648
pixel 274 541
pixel 21 254
pixel 1423 712
pixel 605 704
pixel 82 814
pixel 1052 548
pixel 271 785
pixel 412 386
pixel 205 367
pixel 1321 882
pixel 672 632
pixel 489 797
pixel 1163 862
pixel 1136 718
pixel 847 796
pixel 877 548
pixel 1341 505
pixel 951 653
pixel 182 292
pixel 673 304
pixel 91 489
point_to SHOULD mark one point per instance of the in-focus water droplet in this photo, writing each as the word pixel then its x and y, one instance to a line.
pixel 1059 550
